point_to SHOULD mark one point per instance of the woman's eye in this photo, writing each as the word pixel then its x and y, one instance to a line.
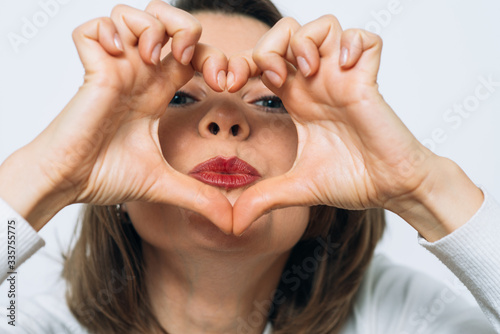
pixel 181 99
pixel 271 104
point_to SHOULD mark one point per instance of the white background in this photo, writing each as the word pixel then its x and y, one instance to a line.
pixel 434 54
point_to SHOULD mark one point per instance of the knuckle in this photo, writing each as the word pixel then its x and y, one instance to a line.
pixel 76 33
pixel 118 9
pixel 259 56
pixel 81 27
pixel 190 28
pixel 329 18
pixel 353 31
pixel 371 35
pixel 239 62
pixel 195 27
pixel 104 21
pixel 373 38
pixel 290 21
pixel 101 21
pixel 157 25
pixel 297 41
pixel 153 4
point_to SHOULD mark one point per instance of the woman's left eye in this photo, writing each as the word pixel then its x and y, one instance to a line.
pixel 271 104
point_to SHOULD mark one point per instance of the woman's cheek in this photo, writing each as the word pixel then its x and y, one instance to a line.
pixel 281 142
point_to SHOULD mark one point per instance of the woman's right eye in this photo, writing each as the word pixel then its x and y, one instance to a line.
pixel 181 99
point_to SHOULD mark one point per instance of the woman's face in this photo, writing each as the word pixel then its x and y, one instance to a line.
pixel 201 125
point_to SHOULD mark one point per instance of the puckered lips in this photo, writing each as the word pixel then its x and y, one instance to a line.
pixel 227 173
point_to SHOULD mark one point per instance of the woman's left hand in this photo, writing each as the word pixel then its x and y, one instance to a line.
pixel 353 150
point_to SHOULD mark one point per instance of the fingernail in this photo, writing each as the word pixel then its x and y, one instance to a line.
pixel 221 79
pixel 225 232
pixel 274 78
pixel 230 80
pixel 304 66
pixel 155 56
pixel 187 55
pixel 240 234
pixel 118 42
pixel 344 55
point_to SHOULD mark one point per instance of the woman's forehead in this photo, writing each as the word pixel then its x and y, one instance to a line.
pixel 230 33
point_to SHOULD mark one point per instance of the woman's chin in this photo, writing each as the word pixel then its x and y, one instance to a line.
pixel 207 235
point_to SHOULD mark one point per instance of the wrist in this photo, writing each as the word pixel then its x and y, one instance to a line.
pixel 27 191
pixel 443 202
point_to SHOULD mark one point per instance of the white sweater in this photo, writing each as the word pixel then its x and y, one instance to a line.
pixel 391 299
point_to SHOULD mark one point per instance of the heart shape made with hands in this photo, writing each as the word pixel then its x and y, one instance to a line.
pixel 351 145
pixel 353 151
pixel 350 142
pixel 327 80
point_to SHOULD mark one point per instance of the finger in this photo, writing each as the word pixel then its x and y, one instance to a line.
pixel 97 34
pixel 196 196
pixel 354 43
pixel 212 63
pixel 178 75
pixel 319 38
pixel 273 50
pixel 241 67
pixel 184 29
pixel 267 195
pixel 136 26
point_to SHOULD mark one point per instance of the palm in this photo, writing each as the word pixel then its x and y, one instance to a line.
pixel 349 150
pixel 104 147
pixel 352 149
pixel 117 154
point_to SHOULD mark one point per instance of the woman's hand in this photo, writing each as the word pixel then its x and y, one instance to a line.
pixel 103 148
pixel 353 151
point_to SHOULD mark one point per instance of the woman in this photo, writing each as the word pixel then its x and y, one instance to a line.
pixel 200 216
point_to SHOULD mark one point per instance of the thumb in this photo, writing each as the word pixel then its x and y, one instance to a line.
pixel 274 193
pixel 181 190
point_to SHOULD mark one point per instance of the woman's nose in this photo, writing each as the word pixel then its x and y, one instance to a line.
pixel 224 124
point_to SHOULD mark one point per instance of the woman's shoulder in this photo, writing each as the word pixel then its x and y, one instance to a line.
pixel 46 313
pixel 396 299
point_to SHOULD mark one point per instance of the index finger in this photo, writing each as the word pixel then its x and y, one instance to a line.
pixel 182 27
pixel 273 51
pixel 241 67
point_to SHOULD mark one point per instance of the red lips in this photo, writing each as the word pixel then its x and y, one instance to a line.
pixel 228 173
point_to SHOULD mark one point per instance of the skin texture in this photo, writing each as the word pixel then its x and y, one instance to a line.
pixel 118 141
pixel 113 122
pixel 193 262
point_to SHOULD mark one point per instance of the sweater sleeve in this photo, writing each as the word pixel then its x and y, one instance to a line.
pixel 18 240
pixel 472 253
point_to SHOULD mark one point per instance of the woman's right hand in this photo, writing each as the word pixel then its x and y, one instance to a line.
pixel 103 148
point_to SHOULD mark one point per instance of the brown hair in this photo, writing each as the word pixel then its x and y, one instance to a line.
pixel 106 289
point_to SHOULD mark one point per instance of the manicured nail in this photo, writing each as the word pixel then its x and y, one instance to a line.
pixel 304 66
pixel 230 80
pixel 344 55
pixel 155 56
pixel 118 42
pixel 187 55
pixel 221 79
pixel 274 78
